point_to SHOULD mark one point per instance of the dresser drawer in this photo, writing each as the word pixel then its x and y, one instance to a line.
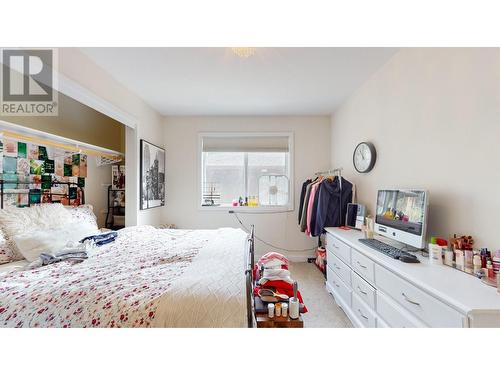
pixel 424 306
pixel 339 248
pixel 339 267
pixel 394 315
pixel 364 290
pixel 341 290
pixel 365 315
pixel 364 266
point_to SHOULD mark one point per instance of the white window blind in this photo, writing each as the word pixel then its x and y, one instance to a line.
pixel 245 143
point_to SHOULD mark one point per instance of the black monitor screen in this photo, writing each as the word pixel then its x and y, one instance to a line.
pixel 401 209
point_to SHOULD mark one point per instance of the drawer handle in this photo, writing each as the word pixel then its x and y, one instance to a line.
pixel 360 313
pixel 362 291
pixel 336 267
pixel 361 265
pixel 337 285
pixel 409 300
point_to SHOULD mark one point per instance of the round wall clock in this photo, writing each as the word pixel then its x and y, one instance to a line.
pixel 364 157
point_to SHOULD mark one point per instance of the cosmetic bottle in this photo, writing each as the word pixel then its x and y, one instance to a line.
pixel 277 309
pixel 459 260
pixel 489 267
pixel 483 257
pixel 293 303
pixel 448 257
pixel 496 262
pixel 477 263
pixel 270 310
pixel 468 255
pixel 435 254
pixel 284 309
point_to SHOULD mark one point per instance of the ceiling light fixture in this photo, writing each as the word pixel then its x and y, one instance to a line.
pixel 244 52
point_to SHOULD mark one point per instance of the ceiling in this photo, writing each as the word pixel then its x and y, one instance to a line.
pixel 214 81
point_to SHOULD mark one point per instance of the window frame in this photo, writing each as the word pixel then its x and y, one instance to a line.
pixel 291 168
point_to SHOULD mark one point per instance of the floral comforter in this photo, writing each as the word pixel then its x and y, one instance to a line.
pixel 147 277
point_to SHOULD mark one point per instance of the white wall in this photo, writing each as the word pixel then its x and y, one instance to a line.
pixel 312 153
pixel 434 117
pixel 76 66
pixel 96 188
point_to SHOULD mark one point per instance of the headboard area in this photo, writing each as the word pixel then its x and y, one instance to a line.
pixel 67 193
pixel 32 173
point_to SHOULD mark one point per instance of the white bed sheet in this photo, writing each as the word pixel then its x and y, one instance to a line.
pixel 211 291
pixel 13 266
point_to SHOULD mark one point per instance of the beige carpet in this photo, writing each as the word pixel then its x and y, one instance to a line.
pixel 323 311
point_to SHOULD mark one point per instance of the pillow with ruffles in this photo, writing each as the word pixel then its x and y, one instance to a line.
pixel 14 221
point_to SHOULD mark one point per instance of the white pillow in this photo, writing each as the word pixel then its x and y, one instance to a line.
pixel 83 213
pixel 14 221
pixel 51 241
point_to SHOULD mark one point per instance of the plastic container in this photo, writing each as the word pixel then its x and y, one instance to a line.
pixel 435 254
pixel 277 309
pixel 293 304
pixel 284 309
pixel 448 257
pixel 270 310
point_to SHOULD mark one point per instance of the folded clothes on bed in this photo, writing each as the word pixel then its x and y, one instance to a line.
pixel 73 251
pixel 76 256
pixel 101 239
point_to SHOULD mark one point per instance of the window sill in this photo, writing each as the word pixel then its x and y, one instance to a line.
pixel 246 209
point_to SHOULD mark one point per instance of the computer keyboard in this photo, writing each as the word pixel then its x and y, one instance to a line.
pixel 389 250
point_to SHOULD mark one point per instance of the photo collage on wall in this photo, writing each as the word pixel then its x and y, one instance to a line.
pixel 29 169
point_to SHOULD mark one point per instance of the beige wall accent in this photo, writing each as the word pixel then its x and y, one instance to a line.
pixel 312 152
pixel 79 122
pixel 434 117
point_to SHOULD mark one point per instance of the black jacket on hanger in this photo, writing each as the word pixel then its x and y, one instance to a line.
pixel 332 204
pixel 302 197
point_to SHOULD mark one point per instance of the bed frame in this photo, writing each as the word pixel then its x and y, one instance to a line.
pixel 49 194
pixel 249 264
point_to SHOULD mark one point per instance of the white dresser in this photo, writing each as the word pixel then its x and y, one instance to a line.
pixel 375 290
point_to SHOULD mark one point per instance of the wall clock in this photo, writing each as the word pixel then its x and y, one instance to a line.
pixel 364 157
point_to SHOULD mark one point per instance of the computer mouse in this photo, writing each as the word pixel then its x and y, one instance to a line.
pixel 408 259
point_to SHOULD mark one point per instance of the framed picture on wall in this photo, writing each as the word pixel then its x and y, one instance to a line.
pixel 152 175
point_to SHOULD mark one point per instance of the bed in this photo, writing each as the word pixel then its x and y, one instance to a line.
pixel 147 277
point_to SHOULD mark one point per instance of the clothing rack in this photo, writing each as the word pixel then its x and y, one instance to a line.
pixel 331 172
pixel 335 172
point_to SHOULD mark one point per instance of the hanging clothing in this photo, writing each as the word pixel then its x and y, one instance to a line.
pixel 315 209
pixel 303 218
pixel 332 204
pixel 310 205
pixel 303 197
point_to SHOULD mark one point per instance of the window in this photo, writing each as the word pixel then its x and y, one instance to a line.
pixel 252 168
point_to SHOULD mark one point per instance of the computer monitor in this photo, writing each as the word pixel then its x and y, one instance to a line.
pixel 402 216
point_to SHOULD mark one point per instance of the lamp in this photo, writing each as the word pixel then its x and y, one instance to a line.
pixel 244 52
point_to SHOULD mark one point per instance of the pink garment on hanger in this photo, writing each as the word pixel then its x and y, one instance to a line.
pixel 314 188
